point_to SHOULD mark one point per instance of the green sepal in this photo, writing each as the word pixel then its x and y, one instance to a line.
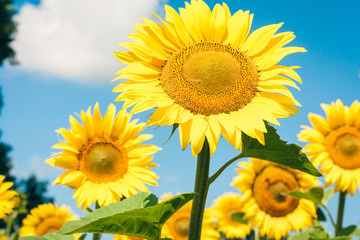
pixel 175 126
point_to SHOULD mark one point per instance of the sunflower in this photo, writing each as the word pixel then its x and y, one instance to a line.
pixel 124 237
pixel 334 144
pixel 177 227
pixel 264 185
pixel 204 71
pixel 7 202
pixel 224 207
pixel 45 218
pixel 104 158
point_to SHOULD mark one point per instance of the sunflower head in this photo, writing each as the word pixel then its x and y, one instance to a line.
pixel 104 156
pixel 45 218
pixel 225 207
pixel 124 237
pixel 7 198
pixel 203 70
pixel 264 186
pixel 177 227
pixel 334 144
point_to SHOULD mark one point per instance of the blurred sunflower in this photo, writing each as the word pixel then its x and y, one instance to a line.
pixel 204 71
pixel 7 202
pixel 124 237
pixel 224 207
pixel 264 185
pixel 104 158
pixel 177 227
pixel 45 218
pixel 334 144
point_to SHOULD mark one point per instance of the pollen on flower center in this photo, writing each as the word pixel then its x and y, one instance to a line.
pixel 344 147
pixel 182 227
pixel 270 188
pixel 103 161
pixel 209 78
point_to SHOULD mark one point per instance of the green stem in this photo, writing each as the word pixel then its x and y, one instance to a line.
pixel 200 189
pixel 340 215
pixel 97 236
pixel 329 214
pixel 218 172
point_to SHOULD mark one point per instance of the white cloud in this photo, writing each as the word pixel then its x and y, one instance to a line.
pixel 74 39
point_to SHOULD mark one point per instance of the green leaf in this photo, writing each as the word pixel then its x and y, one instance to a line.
pixel 137 216
pixel 314 194
pixel 348 231
pixel 329 193
pixel 320 215
pixel 300 236
pixel 239 217
pixel 278 151
pixel 49 236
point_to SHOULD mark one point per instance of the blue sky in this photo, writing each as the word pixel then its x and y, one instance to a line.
pixel 56 80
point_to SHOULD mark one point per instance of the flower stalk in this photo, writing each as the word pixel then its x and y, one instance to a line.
pixel 97 236
pixel 200 189
pixel 340 214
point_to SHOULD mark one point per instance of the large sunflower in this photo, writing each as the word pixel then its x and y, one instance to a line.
pixel 334 144
pixel 7 202
pixel 45 218
pixel 224 207
pixel 104 158
pixel 203 70
pixel 264 185
pixel 177 227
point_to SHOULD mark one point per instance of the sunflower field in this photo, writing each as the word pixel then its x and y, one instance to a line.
pixel 212 79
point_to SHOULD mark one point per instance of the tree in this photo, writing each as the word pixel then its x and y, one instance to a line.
pixel 7 30
pixel 5 162
pixel 35 191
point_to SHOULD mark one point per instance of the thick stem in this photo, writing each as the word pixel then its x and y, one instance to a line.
pixel 200 190
pixel 97 236
pixel 340 215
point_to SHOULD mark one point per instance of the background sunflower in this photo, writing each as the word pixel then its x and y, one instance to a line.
pixel 334 144
pixel 104 157
pixel 7 202
pixel 45 218
pixel 226 205
pixel 264 186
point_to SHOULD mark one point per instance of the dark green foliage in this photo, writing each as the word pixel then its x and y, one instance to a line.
pixel 7 30
pixel 35 191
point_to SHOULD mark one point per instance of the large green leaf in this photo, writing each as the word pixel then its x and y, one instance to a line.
pixel 278 151
pixel 49 236
pixel 138 216
pixel 315 194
